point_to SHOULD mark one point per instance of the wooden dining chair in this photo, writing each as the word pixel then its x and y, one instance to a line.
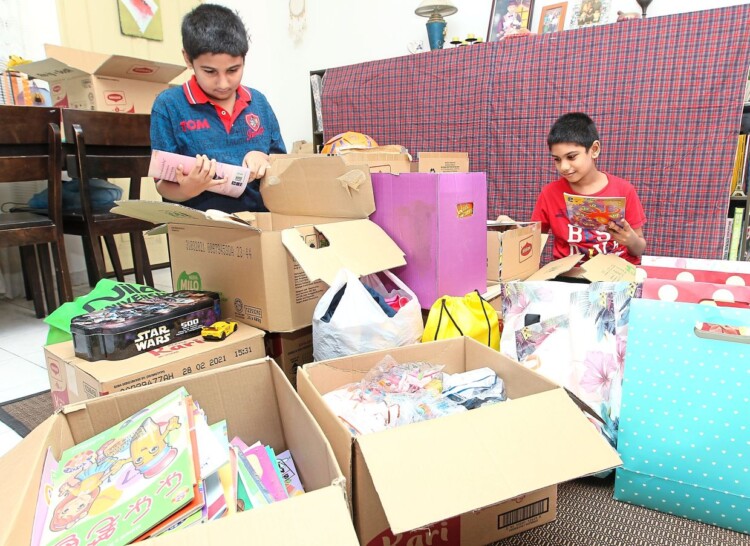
pixel 108 145
pixel 30 150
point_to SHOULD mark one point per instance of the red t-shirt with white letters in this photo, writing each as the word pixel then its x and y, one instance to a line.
pixel 550 210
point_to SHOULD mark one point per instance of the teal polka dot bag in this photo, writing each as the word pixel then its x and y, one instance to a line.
pixel 684 435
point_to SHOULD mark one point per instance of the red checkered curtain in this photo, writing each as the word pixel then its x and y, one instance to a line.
pixel 666 94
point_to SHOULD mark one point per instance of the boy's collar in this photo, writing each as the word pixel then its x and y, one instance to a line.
pixel 195 95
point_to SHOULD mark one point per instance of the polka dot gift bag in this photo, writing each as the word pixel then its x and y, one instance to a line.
pixel 684 434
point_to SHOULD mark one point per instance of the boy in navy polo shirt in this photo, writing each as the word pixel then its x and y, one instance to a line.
pixel 213 116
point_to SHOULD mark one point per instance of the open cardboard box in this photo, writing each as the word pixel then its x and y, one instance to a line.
pixel 258 403
pixel 513 249
pixel 460 475
pixel 95 81
pixel 271 268
pixel 74 379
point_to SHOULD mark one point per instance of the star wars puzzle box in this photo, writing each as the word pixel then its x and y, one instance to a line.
pixel 129 329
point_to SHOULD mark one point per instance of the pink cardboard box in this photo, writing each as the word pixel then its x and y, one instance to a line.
pixel 439 220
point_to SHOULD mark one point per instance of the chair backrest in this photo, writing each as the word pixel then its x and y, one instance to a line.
pixel 107 145
pixel 30 149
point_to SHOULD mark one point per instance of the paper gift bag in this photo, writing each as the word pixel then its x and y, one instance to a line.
pixel 696 263
pixel 735 278
pixel 696 292
pixel 684 434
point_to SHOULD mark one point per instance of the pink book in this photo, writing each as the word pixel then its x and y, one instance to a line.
pixel 43 498
pixel 266 468
pixel 164 165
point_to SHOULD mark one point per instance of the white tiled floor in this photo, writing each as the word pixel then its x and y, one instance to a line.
pixel 22 338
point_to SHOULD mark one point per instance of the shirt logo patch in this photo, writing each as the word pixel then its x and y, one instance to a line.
pixel 194 125
pixel 255 128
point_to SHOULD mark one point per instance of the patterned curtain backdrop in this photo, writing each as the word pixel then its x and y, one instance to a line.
pixel 666 94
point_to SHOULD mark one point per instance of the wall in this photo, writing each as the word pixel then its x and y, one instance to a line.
pixel 345 32
pixel 94 25
pixel 337 33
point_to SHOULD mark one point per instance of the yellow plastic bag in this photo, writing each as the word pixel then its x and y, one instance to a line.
pixel 469 315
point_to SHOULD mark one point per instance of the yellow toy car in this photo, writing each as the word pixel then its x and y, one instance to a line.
pixel 219 330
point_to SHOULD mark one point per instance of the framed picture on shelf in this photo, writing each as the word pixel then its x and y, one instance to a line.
pixel 508 17
pixel 552 18
pixel 586 13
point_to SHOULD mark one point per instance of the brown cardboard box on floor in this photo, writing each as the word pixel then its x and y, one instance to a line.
pixel 258 404
pixel 95 81
pixel 470 478
pixel 74 379
pixel 271 268
pixel 291 350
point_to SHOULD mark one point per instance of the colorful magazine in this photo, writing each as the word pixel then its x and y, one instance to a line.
pixel 250 490
pixel 119 484
pixel 263 461
pixel 594 212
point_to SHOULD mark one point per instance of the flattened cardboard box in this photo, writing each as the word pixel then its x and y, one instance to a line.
pixel 258 403
pixel 272 268
pixel 74 379
pixel 602 267
pixel 94 81
pixel 521 447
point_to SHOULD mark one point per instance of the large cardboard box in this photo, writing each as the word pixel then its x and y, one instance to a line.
pixel 272 268
pixel 440 222
pixel 74 379
pixel 291 350
pixel 258 403
pixel 469 478
pixel 95 81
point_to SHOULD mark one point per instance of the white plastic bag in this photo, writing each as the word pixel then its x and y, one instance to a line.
pixel 359 324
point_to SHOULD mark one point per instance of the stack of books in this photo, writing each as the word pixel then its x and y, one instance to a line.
pixel 161 469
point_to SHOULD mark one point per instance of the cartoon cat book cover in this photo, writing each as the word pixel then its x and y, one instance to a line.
pixel 119 484
pixel 591 212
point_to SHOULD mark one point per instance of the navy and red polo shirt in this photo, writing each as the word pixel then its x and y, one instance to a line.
pixel 185 121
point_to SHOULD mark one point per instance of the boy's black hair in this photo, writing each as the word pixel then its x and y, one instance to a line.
pixel 210 28
pixel 574 127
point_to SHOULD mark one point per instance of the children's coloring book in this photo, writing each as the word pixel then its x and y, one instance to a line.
pixel 117 485
pixel 289 474
pixel 186 514
pixel 594 212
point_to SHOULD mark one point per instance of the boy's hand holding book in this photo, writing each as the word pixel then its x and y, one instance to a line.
pixel 622 232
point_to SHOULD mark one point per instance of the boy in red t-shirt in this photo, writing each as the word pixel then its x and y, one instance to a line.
pixel 574 144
